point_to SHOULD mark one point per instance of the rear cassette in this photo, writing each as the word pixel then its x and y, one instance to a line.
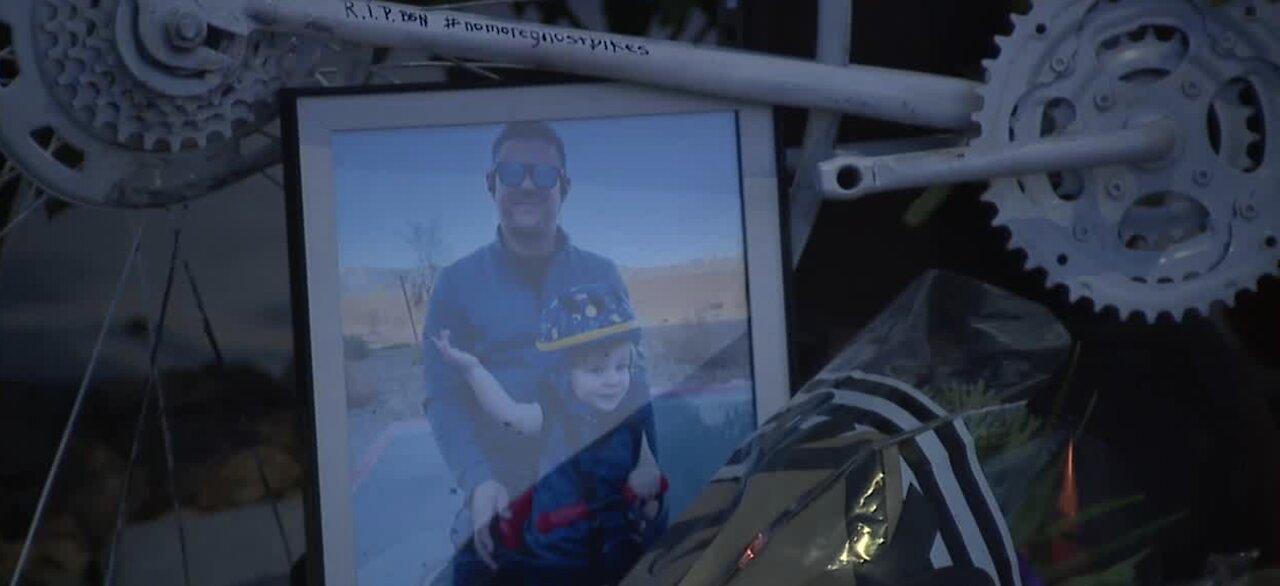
pixel 89 117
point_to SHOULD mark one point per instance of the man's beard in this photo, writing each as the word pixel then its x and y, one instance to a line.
pixel 534 221
pixel 528 233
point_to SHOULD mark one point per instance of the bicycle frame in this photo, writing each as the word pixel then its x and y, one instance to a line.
pixel 914 98
pixel 887 94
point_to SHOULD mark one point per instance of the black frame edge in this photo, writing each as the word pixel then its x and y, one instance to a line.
pixel 313 554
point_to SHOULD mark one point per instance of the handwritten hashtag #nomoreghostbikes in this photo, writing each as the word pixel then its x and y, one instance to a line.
pixel 373 11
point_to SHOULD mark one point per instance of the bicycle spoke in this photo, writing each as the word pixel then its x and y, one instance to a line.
pixel 8 172
pixel 40 199
pixel 123 504
pixel 165 431
pixel 55 141
pixel 474 68
pixel 257 457
pixel 391 72
pixel 380 69
pixel 268 138
pixel 266 175
pixel 139 426
pixel 204 315
pixel 74 416
pixel 275 505
pixel 451 63
pixel 167 436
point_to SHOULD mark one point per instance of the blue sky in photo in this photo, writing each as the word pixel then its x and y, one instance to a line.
pixel 647 190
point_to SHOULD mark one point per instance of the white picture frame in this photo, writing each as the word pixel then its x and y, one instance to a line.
pixel 315 162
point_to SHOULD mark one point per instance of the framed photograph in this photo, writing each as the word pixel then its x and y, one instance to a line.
pixel 534 319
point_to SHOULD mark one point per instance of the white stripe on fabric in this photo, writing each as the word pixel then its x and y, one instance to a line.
pixel 937 455
pixel 938 555
pixel 972 455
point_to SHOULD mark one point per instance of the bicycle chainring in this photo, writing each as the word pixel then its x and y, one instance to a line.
pixel 1174 237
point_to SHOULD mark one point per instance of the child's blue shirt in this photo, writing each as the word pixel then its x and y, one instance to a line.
pixel 596 475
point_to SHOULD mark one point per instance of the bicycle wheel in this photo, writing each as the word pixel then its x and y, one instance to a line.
pixel 90 122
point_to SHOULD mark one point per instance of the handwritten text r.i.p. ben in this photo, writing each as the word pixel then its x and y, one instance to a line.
pixel 372 11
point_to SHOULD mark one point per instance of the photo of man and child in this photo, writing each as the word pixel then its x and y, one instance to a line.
pixel 546 341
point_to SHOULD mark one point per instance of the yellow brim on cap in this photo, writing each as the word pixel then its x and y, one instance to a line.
pixel 585 337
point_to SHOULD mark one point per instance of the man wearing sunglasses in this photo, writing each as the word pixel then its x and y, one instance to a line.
pixel 490 302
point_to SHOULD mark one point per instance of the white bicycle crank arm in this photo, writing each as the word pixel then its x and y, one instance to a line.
pixel 852 176
pixel 920 99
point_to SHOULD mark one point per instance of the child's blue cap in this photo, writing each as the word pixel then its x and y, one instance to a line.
pixel 587 314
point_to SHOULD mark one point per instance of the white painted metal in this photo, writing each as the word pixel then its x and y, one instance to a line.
pixel 822 127
pixel 886 94
pixel 886 146
pixel 852 176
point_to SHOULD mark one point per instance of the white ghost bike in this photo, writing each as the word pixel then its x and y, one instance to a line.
pixel 1128 144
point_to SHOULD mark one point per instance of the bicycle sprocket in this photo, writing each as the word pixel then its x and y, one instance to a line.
pixel 90 118
pixel 1173 237
pixel 83 59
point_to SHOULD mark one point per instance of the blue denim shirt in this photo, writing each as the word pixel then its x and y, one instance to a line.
pixel 491 301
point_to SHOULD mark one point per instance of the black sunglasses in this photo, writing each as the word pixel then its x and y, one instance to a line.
pixel 512 174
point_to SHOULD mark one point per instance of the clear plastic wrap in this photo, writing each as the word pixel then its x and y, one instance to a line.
pixel 949 330
pixel 874 473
